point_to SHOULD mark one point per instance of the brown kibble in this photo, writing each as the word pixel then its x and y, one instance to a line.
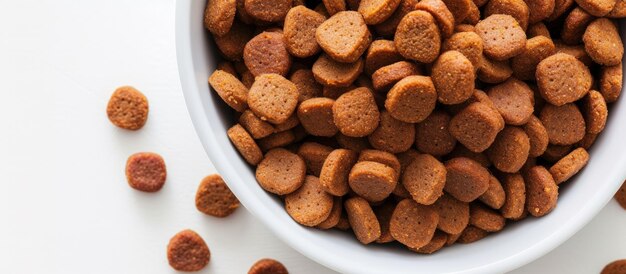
pixel 335 171
pixel 514 101
pixel 502 36
pixel 254 125
pixel 355 113
pixel 575 25
pixel 267 53
pixel 268 10
pixel 539 10
pixel 438 241
pixel 562 79
pixel 306 84
pixel 597 8
pixel 611 82
pixel 509 151
pixel 388 28
pixel 587 141
pixel 227 66
pixel 565 124
pixel 383 214
pixel 219 16
pixel 485 218
pixel 244 143
pixel 619 10
pixel 382 157
pixel 603 43
pixel 413 224
pixel 473 15
pixel 412 99
pixel 299 31
pixel 560 7
pixel 371 180
pixel 459 8
pixel 232 44
pixel 493 72
pixel 145 171
pixel 495 196
pixel 464 28
pixel 335 215
pixel 453 214
pixel 276 140
pixel 472 234
pixel 467 43
pixel 316 116
pixel 525 64
pixel 439 10
pixel 392 135
pixel 362 220
pixel 273 98
pixel 380 53
pixel 288 124
pixel 335 74
pixel 620 196
pixel 334 6
pixel 538 29
pixel 577 51
pixel 376 11
pixel 268 266
pixel 314 155
pixel 384 78
pixel 281 171
pixel 616 267
pixel 461 151
pixel 515 8
pixel 187 251
pixel 541 191
pixel 344 36
pixel 214 198
pixel 128 108
pixel 466 179
pixel 425 178
pixel 569 165
pixel 230 89
pixel 417 37
pixel 356 144
pixel 538 136
pixel 310 204
pixel 515 189
pixel 432 135
pixel 453 77
pixel 555 152
pixel 476 126
pixel 595 112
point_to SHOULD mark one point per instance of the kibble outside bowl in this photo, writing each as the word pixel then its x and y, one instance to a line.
pixel 580 199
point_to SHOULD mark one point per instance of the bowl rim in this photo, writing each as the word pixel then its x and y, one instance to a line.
pixel 211 146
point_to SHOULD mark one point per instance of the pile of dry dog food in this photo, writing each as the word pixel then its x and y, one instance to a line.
pixel 426 123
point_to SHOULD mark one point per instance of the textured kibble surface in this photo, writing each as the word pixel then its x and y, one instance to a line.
pixel 214 198
pixel 616 267
pixel 128 108
pixel 268 266
pixel 414 123
pixel 145 171
pixel 188 252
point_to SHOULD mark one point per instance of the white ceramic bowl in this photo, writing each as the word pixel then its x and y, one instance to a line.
pixel 518 244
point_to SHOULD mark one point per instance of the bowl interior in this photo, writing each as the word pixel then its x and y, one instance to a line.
pixel 579 200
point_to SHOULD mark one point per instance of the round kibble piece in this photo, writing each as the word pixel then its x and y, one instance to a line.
pixel 334 6
pixel 562 79
pixel 620 196
pixel 383 214
pixel 538 136
pixel 219 16
pixel 335 171
pixel 145 171
pixel 485 218
pixel 425 178
pixel 372 181
pixel 316 116
pixel 467 43
pixel 597 7
pixel 611 80
pixel 362 220
pixel 344 36
pixel 230 89
pixel 539 10
pixel 453 214
pixel 187 251
pixel 412 99
pixel 314 155
pixel 244 143
pixel 476 126
pixel 413 224
pixel 380 53
pixel 575 25
pixel 569 165
pixel 310 204
pixel 603 43
pixel 525 64
pixel 453 77
pixel 541 191
pixel 355 113
pixel 299 31
pixel 514 101
pixel 281 171
pixel 466 179
pixel 494 196
pixel 596 112
pixel 459 8
pixel 335 74
pixel 268 266
pixel 335 215
pixel 214 198
pixel 307 86
pixel 472 234
pixel 377 11
pixel 267 53
pixel 268 10
pixel 382 157
pixel 388 28
pixel 509 151
pixel 392 135
pixel 493 72
pixel 538 29
pixel 254 125
pixel 473 16
pixel 518 9
pixel 385 77
pixel 432 135
pixel 437 242
pixel 439 10
pixel 555 152
pixel 565 124
pixel 619 11
pixel 278 139
pixel 515 190
pixel 273 98
pixel 417 37
pixel 502 36
pixel 616 267
pixel 577 51
pixel 356 144
pixel 128 108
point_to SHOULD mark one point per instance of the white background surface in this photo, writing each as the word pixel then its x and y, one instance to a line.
pixel 65 206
